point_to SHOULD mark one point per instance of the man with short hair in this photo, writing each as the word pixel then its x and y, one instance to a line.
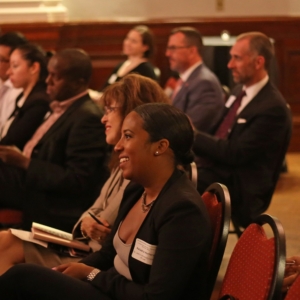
pixel 198 92
pixel 61 170
pixel 248 146
pixel 8 94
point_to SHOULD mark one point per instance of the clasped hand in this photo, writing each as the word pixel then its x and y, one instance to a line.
pixel 75 270
pixel 11 155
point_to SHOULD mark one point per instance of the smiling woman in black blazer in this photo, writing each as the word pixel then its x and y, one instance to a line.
pixel 158 248
pixel 28 70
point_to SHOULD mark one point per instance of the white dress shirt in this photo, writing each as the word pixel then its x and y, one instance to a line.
pixel 251 92
pixel 8 96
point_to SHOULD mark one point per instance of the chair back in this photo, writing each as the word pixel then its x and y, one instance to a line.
pixel 191 172
pixel 257 264
pixel 294 291
pixel 217 201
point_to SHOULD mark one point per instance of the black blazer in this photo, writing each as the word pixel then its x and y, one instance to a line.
pixel 145 69
pixel 178 225
pixel 67 168
pixel 27 118
pixel 249 160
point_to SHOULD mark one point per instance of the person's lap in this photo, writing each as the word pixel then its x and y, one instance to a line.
pixel 11 186
pixel 42 256
pixel 28 281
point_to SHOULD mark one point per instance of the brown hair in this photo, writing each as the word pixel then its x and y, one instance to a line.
pixel 259 43
pixel 131 91
pixel 192 36
pixel 147 39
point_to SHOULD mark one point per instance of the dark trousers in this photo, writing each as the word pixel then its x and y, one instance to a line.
pixel 28 281
pixel 12 190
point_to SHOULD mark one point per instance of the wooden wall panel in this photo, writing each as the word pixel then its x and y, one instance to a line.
pixel 103 41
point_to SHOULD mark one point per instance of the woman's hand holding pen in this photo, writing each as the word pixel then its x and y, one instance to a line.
pixel 94 230
pixel 292 270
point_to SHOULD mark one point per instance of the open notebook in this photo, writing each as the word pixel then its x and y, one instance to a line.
pixel 41 237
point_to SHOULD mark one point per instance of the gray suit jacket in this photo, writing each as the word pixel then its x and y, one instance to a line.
pixel 201 98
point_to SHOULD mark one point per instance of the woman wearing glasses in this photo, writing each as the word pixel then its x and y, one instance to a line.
pixel 119 100
pixel 158 248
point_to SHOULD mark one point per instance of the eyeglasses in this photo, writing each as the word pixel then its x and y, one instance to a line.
pixel 174 48
pixel 109 109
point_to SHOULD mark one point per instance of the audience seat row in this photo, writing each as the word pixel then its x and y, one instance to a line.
pixel 257 263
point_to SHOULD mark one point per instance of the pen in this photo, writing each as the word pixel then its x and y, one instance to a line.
pixel 290 263
pixel 96 219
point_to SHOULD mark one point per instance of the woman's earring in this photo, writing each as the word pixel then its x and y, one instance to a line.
pixel 156 152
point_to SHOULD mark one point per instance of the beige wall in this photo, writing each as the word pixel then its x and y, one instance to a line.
pixel 139 9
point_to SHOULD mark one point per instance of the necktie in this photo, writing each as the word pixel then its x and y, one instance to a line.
pixel 228 120
pixel 179 84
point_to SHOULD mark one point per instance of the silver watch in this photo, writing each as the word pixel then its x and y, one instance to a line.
pixel 92 275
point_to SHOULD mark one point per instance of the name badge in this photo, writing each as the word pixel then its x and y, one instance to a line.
pixel 144 252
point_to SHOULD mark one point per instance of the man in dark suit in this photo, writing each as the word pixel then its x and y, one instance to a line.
pixel 248 146
pixel 61 170
pixel 198 92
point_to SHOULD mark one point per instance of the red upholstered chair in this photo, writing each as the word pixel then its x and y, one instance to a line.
pixel 294 291
pixel 257 264
pixel 217 201
pixel 10 218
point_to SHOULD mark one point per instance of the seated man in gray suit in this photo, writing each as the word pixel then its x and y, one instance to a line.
pixel 248 146
pixel 198 92
pixel 61 170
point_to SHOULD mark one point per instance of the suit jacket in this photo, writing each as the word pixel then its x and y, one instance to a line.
pixel 178 227
pixel 201 98
pixel 145 69
pixel 67 168
pixel 249 160
pixel 27 118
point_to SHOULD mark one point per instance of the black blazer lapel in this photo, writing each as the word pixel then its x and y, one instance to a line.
pixel 251 109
